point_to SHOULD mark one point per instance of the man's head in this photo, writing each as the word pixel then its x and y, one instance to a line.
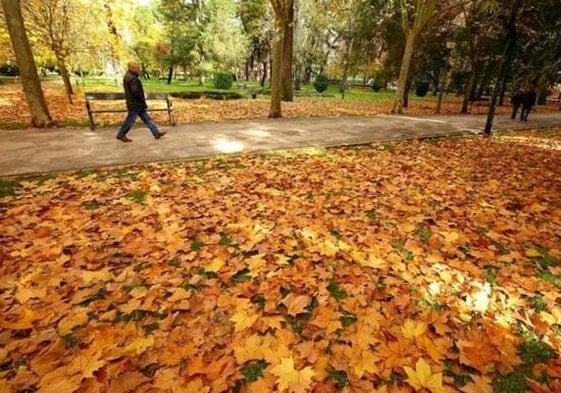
pixel 134 67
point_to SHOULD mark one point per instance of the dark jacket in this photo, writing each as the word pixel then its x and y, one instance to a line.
pixel 134 93
pixel 529 99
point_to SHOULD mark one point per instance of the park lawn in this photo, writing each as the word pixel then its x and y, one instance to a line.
pixel 430 266
pixel 357 102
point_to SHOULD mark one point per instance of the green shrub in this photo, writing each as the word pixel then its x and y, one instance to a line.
pixel 421 88
pixel 321 84
pixel 223 80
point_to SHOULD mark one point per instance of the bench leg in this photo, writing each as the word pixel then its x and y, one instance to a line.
pixel 90 116
pixel 170 114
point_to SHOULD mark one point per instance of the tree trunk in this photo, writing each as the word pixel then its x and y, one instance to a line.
pixel 264 75
pixel 406 93
pixel 38 109
pixel 469 91
pixel 170 75
pixel 404 72
pixel 287 55
pixel 443 82
pixel 65 78
pixel 507 56
pixel 275 110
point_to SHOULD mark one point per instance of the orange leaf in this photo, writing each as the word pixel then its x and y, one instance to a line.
pixel 297 381
pixel 296 304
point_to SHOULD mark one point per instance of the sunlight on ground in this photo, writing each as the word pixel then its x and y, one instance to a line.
pixel 227 146
pixel 546 144
pixel 260 133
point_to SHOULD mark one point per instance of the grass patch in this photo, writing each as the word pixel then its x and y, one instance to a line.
pixel 8 187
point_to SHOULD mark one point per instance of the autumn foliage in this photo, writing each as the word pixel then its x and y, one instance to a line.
pixel 205 110
pixel 418 266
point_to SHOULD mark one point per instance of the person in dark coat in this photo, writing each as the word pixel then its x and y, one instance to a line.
pixel 528 102
pixel 516 100
pixel 136 104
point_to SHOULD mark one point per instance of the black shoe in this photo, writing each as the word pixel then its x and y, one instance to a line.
pixel 124 139
pixel 161 134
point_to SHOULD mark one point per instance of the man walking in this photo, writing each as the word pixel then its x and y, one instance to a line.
pixel 136 104
pixel 528 102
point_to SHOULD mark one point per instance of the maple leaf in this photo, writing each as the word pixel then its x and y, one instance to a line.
pixel 69 322
pixel 215 265
pixel 296 304
pixel 296 381
pixel 478 385
pixel 86 364
pixel 169 378
pixel 140 345
pixel 25 322
pixel 412 329
pixel 243 320
pixel 422 377
pixel 25 293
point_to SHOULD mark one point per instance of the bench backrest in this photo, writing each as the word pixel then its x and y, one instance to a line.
pixel 121 96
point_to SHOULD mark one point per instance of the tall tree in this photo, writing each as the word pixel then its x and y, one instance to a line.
pixel 414 17
pixel 256 20
pixel 38 109
pixel 115 40
pixel 287 54
pixel 282 11
pixel 223 36
pixel 52 20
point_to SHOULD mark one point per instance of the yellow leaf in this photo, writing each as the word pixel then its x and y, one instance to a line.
pixel 178 294
pixel 100 275
pixel 422 377
pixel 343 246
pixel 24 294
pixel 243 320
pixel 87 365
pixel 364 362
pixel 297 381
pixel 533 253
pixel 250 350
pixel 69 322
pixel 412 329
pixel 139 345
pixel 374 262
pixel 451 237
pixel 215 265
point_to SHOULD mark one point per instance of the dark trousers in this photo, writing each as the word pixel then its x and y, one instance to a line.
pixel 131 118
pixel 515 108
pixel 526 109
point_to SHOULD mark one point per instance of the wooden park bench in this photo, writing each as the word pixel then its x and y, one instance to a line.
pixel 90 97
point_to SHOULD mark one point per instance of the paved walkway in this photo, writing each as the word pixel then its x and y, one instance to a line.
pixel 24 152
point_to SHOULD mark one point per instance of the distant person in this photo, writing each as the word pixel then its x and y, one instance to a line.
pixel 136 104
pixel 528 102
pixel 517 99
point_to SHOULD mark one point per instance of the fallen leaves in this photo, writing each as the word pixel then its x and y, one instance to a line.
pixel 423 377
pixel 204 110
pixel 355 269
pixel 290 379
